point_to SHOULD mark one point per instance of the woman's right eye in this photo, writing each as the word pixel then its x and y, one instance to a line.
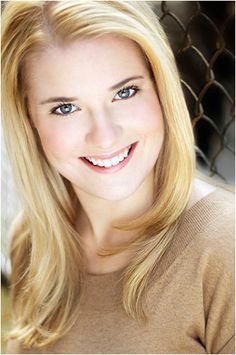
pixel 64 109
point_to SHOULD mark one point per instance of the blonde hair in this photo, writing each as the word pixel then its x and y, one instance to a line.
pixel 47 268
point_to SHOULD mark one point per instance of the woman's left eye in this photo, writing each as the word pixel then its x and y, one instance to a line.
pixel 64 109
pixel 127 92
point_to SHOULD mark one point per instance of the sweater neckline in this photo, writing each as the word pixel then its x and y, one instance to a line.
pixel 201 203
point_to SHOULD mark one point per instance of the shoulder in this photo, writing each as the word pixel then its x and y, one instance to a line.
pixel 211 225
pixel 203 243
pixel 213 253
pixel 207 230
pixel 213 216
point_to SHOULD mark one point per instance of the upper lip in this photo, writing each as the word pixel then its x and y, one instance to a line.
pixel 109 156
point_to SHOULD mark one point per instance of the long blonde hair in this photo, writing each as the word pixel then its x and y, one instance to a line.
pixel 47 268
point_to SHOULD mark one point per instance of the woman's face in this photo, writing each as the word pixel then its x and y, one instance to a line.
pixel 97 114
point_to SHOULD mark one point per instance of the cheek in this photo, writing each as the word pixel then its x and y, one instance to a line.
pixel 153 123
pixel 57 141
pixel 149 118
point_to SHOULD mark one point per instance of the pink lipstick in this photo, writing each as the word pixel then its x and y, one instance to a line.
pixel 110 163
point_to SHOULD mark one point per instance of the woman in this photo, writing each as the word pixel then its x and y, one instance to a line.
pixel 119 248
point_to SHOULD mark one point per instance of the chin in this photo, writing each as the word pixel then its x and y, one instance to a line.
pixel 117 195
pixel 114 194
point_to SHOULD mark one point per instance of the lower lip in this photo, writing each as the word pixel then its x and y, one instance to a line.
pixel 112 169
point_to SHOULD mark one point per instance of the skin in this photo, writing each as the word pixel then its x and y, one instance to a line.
pixel 102 123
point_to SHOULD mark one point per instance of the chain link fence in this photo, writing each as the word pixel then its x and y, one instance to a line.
pixel 202 37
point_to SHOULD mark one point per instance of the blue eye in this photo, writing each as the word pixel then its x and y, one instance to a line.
pixel 64 109
pixel 127 92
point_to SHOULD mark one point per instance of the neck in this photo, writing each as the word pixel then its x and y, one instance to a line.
pixel 97 217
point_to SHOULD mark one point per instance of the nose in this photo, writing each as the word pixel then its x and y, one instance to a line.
pixel 103 132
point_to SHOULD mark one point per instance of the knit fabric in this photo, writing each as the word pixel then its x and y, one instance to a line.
pixel 190 302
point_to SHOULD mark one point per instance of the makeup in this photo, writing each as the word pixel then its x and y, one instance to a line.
pixel 110 164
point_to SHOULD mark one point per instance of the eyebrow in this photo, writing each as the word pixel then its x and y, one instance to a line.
pixel 59 99
pixel 71 99
pixel 123 82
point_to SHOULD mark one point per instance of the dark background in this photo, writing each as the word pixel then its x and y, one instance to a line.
pixel 202 36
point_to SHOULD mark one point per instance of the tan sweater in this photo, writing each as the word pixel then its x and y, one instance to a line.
pixel 190 303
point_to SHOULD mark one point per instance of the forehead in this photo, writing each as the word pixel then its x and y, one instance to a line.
pixel 106 59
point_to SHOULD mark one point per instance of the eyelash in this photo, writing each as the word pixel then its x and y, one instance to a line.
pixel 131 87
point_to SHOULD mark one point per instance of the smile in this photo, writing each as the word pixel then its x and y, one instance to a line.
pixel 111 163
pixel 107 163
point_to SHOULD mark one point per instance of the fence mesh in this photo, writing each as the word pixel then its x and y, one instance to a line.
pixel 201 34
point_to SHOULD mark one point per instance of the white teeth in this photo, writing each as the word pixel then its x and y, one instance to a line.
pixel 126 153
pixel 121 157
pixel 115 161
pixel 107 163
pixel 94 161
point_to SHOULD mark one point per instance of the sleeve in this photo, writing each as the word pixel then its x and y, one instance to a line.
pixel 218 289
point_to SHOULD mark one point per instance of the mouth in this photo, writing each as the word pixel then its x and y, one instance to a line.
pixel 113 163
